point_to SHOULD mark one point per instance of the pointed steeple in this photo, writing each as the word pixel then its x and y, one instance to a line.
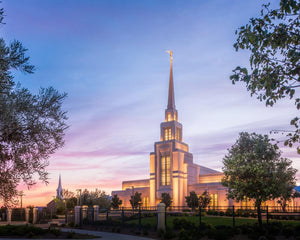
pixel 171 112
pixel 171 97
pixel 59 190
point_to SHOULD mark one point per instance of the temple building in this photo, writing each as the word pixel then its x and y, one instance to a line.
pixel 172 169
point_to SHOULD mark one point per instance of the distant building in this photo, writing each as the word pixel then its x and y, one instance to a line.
pixel 52 205
pixel 59 190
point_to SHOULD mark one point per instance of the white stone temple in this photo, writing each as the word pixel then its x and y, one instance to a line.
pixel 172 169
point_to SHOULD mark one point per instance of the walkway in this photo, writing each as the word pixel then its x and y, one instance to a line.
pixel 103 235
pixel 107 235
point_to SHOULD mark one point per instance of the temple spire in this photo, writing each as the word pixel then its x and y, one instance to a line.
pixel 171 96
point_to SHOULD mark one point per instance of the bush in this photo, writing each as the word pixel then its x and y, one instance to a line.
pixel 71 224
pixel 297 230
pixel 182 223
pixel 55 231
pixel 275 228
pixel 71 234
pixel 169 234
pixel 288 231
pixel 223 232
pixel 145 232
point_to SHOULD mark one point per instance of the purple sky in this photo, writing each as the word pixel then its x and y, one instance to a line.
pixel 109 56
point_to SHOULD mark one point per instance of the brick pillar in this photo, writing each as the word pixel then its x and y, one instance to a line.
pixel 161 211
pixel 96 212
pixel 27 210
pixel 77 215
pixel 9 212
pixel 35 215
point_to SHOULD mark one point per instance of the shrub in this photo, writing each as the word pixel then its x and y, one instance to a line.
pixel 71 224
pixel 182 223
pixel 55 231
pixel 145 232
pixel 169 234
pixel 287 231
pixel 297 230
pixel 275 228
pixel 223 232
pixel 71 234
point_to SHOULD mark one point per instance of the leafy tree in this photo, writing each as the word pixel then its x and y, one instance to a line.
pixel 204 199
pixel 166 199
pixel 273 40
pixel 116 202
pixel 254 169
pixel 287 195
pixel 69 198
pixel 96 197
pixel 192 200
pixel 31 126
pixel 136 200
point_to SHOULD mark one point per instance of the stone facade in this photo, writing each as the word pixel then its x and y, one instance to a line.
pixel 172 169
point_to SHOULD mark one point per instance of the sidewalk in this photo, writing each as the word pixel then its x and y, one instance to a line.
pixel 103 235
pixel 107 235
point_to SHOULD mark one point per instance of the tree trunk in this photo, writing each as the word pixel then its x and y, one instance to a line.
pixel 259 215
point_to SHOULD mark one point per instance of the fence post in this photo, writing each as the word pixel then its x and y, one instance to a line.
pixel 27 214
pixel 122 216
pixel 66 216
pixel 161 212
pixel 200 217
pixel 9 212
pixel 140 225
pixel 77 215
pixel 96 212
pixel 35 215
pixel 107 215
pixel 233 217
pixel 267 219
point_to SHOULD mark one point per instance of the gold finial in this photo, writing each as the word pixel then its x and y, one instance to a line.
pixel 171 55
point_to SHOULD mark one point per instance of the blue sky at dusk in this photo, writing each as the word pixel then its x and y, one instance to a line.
pixel 109 56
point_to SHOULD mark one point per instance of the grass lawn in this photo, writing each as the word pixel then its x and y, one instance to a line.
pixel 213 220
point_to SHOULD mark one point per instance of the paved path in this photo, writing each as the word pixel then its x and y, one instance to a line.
pixel 103 235
pixel 107 235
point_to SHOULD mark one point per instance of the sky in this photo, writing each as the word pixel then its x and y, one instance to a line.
pixel 109 57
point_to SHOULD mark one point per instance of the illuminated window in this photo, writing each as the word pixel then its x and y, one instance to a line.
pixel 168 134
pixel 146 202
pixel 169 117
pixel 178 134
pixel 246 202
pixel 214 200
pixel 165 173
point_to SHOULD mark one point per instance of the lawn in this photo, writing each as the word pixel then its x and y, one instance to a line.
pixel 213 220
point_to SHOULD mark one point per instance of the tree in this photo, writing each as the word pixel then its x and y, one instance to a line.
pixel 116 202
pixel 96 197
pixel 136 200
pixel 274 43
pixel 166 199
pixel 287 195
pixel 254 169
pixel 192 200
pixel 69 198
pixel 31 126
pixel 204 199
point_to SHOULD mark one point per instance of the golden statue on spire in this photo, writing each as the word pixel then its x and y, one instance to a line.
pixel 171 55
